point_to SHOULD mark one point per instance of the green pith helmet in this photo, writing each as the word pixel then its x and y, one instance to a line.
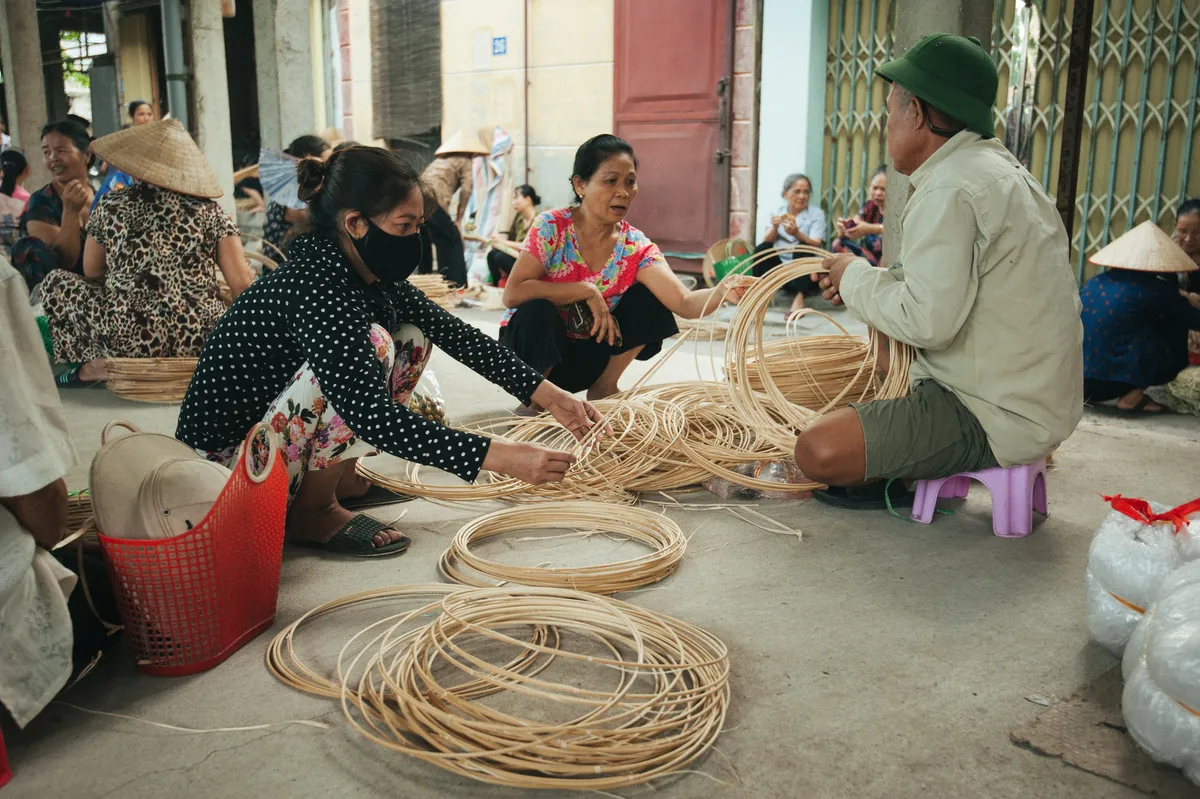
pixel 954 74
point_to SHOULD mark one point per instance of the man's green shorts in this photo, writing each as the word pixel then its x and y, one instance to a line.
pixel 924 436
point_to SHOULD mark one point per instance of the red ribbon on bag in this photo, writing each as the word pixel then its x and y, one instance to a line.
pixel 1139 509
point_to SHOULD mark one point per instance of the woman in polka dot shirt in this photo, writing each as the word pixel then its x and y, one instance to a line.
pixel 328 347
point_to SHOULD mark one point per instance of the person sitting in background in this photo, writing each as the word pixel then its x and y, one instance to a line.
pixel 5 139
pixel 15 168
pixel 282 223
pixel 795 224
pixel 500 257
pixel 56 215
pixel 140 113
pixel 863 235
pixel 1187 236
pixel 448 173
pixel 1135 319
pixel 149 287
pixel 48 632
pixel 589 292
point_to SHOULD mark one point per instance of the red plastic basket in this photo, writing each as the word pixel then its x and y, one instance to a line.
pixel 190 601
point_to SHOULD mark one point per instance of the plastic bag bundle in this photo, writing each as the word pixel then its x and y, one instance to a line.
pixel 1134 550
pixel 1161 702
pixel 426 398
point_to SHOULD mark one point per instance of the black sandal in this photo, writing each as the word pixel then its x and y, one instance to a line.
pixel 357 538
pixel 880 495
pixel 1140 408
pixel 374 498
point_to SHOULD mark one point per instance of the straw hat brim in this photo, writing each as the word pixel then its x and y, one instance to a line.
pixel 461 143
pixel 162 154
pixel 1146 248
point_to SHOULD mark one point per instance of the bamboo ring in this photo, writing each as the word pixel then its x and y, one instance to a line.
pixel 460 565
pixel 665 711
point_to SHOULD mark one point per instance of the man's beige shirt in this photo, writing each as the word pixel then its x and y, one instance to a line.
pixel 985 292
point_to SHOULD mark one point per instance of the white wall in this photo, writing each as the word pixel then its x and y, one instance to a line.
pixel 792 107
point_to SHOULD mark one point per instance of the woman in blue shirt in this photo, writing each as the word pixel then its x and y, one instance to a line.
pixel 795 224
pixel 1136 320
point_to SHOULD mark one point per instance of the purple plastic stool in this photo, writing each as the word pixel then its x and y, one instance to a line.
pixel 1016 493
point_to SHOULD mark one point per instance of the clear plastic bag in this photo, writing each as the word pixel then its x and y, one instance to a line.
pixel 1162 674
pixel 783 472
pixel 1127 562
pixel 427 400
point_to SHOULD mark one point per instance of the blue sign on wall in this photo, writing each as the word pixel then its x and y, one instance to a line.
pixel 499 45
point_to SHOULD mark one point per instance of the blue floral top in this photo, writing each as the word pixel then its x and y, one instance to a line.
pixel 1135 327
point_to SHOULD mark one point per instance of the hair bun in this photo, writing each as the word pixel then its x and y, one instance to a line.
pixel 310 175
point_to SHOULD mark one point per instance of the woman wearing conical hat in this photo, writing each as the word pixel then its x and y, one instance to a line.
pixel 447 174
pixel 1135 320
pixel 149 285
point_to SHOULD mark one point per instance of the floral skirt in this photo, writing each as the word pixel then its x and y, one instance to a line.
pixel 312 434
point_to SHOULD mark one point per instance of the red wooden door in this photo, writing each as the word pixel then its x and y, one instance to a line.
pixel 672 77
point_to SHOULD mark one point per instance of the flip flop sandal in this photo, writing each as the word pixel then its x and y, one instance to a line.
pixel 70 378
pixel 1140 408
pixel 357 538
pixel 873 496
pixel 375 497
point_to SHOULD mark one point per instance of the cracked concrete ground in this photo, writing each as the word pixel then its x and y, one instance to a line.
pixel 873 658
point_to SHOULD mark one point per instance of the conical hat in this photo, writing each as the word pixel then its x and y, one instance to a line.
pixel 1146 249
pixel 461 143
pixel 163 154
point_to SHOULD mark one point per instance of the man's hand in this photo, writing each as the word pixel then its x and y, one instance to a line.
pixel 43 513
pixel 577 416
pixel 831 281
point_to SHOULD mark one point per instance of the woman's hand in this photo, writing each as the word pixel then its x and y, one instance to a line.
pixel 790 228
pixel 77 197
pixel 532 463
pixel 604 327
pixel 1194 299
pixel 571 412
pixel 736 287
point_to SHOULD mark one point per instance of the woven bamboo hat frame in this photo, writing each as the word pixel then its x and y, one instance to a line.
pixel 462 144
pixel 162 154
pixel 1146 248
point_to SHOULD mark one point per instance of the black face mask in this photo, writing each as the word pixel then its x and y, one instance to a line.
pixel 390 258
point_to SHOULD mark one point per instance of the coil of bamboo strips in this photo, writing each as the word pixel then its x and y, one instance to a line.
pixel 150 379
pixel 666 709
pixel 286 665
pixel 760 400
pixel 436 288
pixel 459 564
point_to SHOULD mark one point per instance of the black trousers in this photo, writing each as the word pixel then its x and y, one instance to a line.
pixel 440 231
pixel 91 637
pixel 538 335
pixel 500 264
pixel 801 285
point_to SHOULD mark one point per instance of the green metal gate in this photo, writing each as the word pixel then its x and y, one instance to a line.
pixel 1137 157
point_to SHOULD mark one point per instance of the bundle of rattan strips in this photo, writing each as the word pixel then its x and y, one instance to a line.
pixel 150 379
pixel 459 564
pixel 668 706
pixel 287 666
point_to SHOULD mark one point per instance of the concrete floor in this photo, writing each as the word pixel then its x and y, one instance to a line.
pixel 874 658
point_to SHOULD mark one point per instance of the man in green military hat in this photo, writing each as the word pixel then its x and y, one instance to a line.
pixel 983 291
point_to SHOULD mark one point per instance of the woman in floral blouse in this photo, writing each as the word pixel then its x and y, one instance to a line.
pixel 590 293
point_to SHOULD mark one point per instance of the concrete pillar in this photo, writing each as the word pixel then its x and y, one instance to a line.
pixel 211 94
pixel 24 84
pixel 284 51
pixel 964 17
pixel 268 74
